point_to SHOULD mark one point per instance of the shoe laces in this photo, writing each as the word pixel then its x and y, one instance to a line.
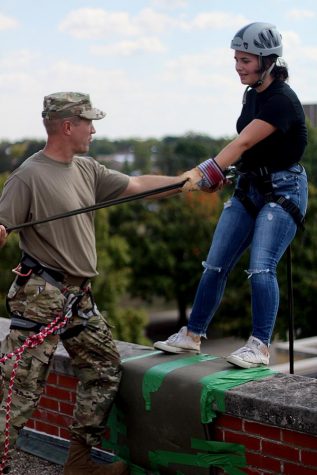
pixel 257 345
pixel 178 336
pixel 253 348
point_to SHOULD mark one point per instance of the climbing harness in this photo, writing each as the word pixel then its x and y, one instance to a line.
pixel 24 271
pixel 262 179
pixel 28 266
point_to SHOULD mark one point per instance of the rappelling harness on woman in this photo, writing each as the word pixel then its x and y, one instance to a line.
pixel 261 178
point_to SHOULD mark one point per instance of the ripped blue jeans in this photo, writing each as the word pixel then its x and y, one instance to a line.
pixel 267 237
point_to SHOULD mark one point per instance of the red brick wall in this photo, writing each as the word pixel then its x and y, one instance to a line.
pixel 269 449
pixel 54 412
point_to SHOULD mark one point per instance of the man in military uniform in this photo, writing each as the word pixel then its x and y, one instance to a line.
pixel 58 261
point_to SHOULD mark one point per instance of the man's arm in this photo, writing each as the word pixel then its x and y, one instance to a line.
pixel 139 184
pixel 191 180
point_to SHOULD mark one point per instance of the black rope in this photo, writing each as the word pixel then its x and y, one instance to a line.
pixel 291 325
pixel 103 204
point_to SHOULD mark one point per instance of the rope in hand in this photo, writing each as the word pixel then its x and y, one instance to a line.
pixel 31 342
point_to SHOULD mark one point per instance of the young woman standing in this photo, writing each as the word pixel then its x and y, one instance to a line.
pixel 269 201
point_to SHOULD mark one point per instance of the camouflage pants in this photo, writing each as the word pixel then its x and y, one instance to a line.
pixel 93 353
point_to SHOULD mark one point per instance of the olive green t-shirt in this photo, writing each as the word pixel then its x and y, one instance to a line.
pixel 42 187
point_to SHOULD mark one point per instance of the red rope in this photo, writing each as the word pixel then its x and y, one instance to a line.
pixel 31 342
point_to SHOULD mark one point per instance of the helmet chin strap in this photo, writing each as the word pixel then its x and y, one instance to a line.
pixel 265 73
pixel 260 81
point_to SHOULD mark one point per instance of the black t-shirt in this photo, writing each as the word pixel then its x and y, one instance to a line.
pixel 279 106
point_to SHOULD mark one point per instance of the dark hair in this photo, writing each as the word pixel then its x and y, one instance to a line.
pixel 280 70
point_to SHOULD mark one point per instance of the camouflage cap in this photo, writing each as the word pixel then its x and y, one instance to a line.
pixel 69 104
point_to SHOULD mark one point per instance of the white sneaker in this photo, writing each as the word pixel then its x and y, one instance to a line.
pixel 179 343
pixel 253 354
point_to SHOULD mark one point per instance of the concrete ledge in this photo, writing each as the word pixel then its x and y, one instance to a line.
pixel 273 418
pixel 287 401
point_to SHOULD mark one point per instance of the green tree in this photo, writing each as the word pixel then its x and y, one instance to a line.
pixel 143 150
pixel 5 159
pixel 9 259
pixel 168 240
pixel 309 159
pixel 101 147
pixel 20 151
pixel 304 273
pixel 177 154
pixel 112 281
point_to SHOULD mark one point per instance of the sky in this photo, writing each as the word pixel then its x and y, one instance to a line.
pixel 156 67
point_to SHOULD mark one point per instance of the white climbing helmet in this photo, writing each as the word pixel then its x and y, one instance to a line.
pixel 262 39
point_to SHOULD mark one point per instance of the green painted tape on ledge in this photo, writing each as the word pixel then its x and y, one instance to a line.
pixel 215 386
pixel 116 426
pixel 154 376
pixel 228 456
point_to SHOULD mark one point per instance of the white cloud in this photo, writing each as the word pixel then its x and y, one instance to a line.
pixel 310 53
pixel 97 23
pixel 129 47
pixel 151 21
pixel 72 76
pixel 295 51
pixel 299 14
pixel 17 83
pixel 291 39
pixel 301 60
pixel 214 66
pixel 18 59
pixel 218 20
pixel 94 23
pixel 110 90
pixel 6 22
pixel 170 4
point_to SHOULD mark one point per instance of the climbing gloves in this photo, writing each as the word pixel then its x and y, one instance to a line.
pixel 207 176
